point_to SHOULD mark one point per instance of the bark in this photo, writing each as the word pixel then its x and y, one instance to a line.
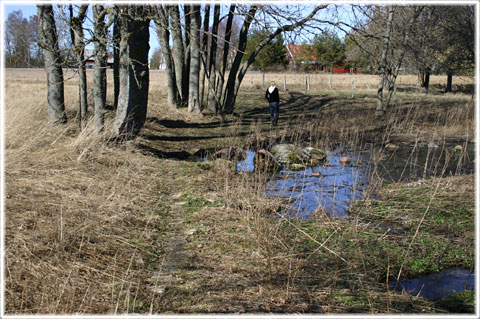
pixel 178 53
pixel 187 61
pixel 223 66
pixel 133 96
pixel 449 81
pixel 161 23
pixel 76 25
pixel 193 87
pixel 396 68
pixel 229 99
pixel 204 44
pixel 427 80
pixel 213 97
pixel 49 42
pixel 380 109
pixel 421 78
pixel 100 74
pixel 116 59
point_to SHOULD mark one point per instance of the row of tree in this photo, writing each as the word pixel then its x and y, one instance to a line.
pixel 197 57
pixel 207 49
pixel 21 49
pixel 429 39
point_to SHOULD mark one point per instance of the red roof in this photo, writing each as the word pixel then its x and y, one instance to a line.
pixel 305 51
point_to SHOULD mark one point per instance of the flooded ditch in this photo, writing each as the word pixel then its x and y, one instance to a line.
pixel 332 186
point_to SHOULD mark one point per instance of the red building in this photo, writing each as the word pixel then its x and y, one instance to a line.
pixel 304 55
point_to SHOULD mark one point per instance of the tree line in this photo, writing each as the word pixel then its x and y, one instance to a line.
pixel 201 73
pixel 207 49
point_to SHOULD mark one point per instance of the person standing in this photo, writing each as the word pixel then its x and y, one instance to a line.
pixel 273 100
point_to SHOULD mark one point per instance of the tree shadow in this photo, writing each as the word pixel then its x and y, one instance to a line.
pixel 176 155
pixel 297 104
pixel 182 124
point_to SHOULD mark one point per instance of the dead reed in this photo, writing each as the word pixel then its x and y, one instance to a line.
pixel 87 222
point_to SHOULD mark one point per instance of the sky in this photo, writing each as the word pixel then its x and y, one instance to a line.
pixel 29 10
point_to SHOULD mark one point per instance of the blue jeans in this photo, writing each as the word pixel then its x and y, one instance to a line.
pixel 273 111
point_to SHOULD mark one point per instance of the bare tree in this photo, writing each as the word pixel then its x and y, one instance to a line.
pixel 381 107
pixel 163 32
pixel 194 81
pixel 116 58
pixel 101 56
pixel 49 42
pixel 179 54
pixel 133 95
pixel 76 28
pixel 238 69
pixel 222 90
pixel 213 98
pixel 444 42
pixel 384 38
pixel 20 41
pixel 204 53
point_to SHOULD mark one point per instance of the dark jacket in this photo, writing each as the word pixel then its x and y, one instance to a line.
pixel 272 97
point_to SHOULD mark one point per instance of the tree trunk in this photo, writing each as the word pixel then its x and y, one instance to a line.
pixel 229 99
pixel 421 78
pixel 206 23
pixel 380 110
pixel 116 59
pixel 396 68
pixel 76 25
pixel 213 89
pixel 133 96
pixel 100 74
pixel 427 81
pixel 244 67
pixel 164 35
pixel 449 81
pixel 223 67
pixel 48 41
pixel 193 88
pixel 178 53
pixel 186 45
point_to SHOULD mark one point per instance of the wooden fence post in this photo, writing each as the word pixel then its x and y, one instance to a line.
pixel 353 88
pixel 263 79
pixel 330 81
pixel 284 82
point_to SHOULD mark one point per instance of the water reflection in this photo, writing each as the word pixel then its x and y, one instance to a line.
pixel 437 286
pixel 334 187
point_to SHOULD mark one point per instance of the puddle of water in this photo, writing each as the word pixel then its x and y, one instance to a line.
pixel 337 186
pixel 247 164
pixel 413 162
pixel 333 191
pixel 437 286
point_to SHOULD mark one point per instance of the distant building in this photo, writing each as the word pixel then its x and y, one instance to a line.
pixel 303 56
pixel 90 60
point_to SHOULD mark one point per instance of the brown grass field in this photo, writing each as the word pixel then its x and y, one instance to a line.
pixel 89 226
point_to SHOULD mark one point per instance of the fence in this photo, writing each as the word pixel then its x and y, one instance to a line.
pixel 332 82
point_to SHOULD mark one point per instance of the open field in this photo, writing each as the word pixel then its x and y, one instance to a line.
pixel 146 227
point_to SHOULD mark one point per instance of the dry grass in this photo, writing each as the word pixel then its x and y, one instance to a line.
pixel 340 82
pixel 80 215
pixel 87 223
